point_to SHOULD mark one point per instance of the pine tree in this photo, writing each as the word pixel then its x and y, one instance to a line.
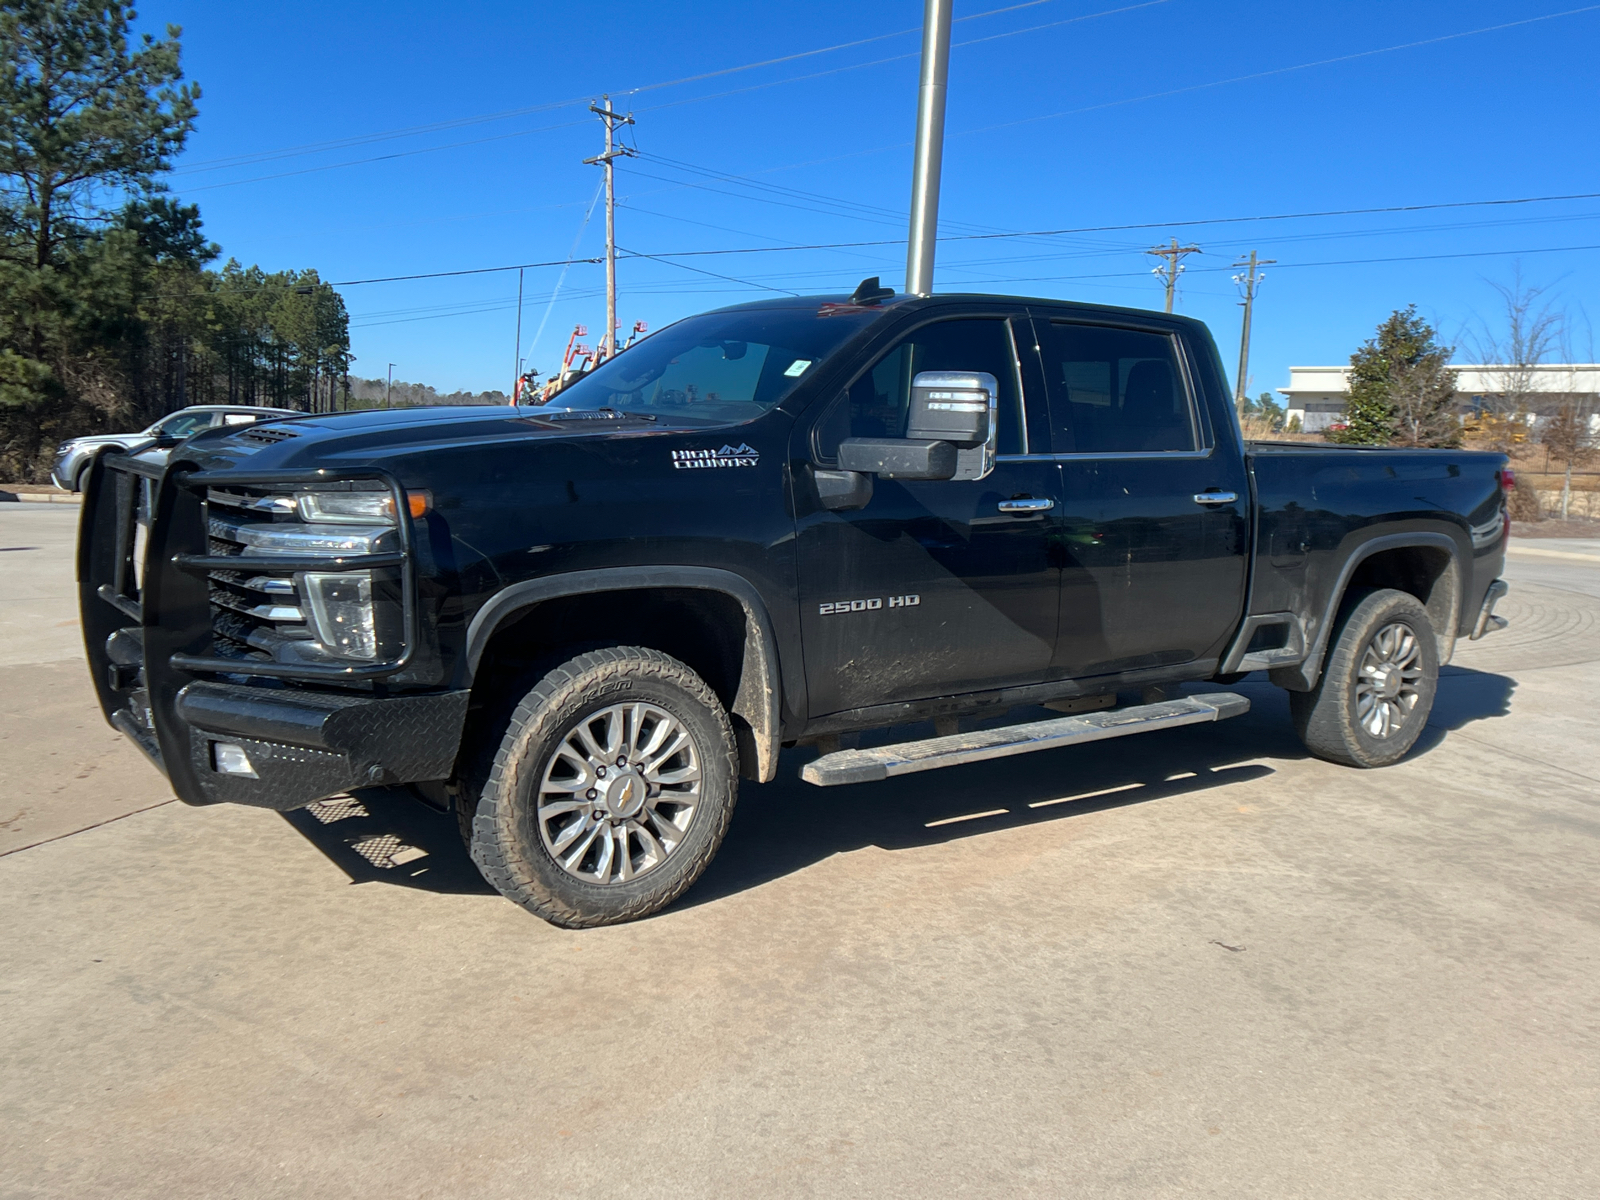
pixel 1402 393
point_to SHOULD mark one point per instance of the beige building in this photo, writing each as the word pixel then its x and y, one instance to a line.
pixel 1317 395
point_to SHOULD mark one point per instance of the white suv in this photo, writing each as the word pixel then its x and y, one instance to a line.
pixel 76 455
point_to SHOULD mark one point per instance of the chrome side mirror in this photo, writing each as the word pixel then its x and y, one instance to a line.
pixel 952 406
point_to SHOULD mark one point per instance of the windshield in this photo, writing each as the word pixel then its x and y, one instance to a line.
pixel 720 368
pixel 182 425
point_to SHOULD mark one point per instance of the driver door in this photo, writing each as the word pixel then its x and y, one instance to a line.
pixel 933 587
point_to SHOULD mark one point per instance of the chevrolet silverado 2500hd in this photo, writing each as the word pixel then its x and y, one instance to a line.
pixel 581 624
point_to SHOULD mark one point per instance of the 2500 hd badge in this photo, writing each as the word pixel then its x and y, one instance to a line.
pixel 872 605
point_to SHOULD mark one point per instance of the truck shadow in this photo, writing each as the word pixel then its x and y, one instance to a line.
pixel 385 835
pixel 787 825
pixel 1464 696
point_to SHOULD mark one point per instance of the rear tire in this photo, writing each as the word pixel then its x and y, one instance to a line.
pixel 612 788
pixel 1377 686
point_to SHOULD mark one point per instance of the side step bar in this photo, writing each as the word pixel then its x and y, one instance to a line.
pixel 868 766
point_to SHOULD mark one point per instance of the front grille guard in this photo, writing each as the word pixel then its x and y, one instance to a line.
pixel 108 570
pixel 404 559
pixel 148 626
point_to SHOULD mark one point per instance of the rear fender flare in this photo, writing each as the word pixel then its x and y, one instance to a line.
pixel 1303 676
pixel 756 701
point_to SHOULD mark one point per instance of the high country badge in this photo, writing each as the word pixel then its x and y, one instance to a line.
pixel 729 456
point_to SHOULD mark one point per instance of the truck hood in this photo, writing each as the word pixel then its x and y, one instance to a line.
pixel 370 437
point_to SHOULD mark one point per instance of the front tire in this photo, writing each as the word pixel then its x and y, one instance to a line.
pixel 611 791
pixel 1377 686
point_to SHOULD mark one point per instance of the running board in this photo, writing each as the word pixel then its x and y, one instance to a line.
pixel 868 766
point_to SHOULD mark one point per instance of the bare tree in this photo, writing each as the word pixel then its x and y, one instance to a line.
pixel 1566 437
pixel 1532 325
pixel 1569 435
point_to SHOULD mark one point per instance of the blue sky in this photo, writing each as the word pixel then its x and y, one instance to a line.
pixel 1173 111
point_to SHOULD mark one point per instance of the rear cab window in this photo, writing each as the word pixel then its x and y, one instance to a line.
pixel 1115 390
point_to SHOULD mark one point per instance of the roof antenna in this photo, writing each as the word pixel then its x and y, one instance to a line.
pixel 869 292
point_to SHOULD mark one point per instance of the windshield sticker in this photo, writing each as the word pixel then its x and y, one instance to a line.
pixel 729 456
pixel 798 368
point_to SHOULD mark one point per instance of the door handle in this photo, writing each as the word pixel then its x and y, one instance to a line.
pixel 1026 504
pixel 1215 497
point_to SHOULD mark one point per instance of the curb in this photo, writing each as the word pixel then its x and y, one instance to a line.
pixel 1540 552
pixel 40 497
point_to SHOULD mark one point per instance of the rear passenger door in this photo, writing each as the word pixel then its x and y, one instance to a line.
pixel 1154 515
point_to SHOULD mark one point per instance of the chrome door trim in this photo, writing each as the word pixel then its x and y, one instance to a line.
pixel 1119 454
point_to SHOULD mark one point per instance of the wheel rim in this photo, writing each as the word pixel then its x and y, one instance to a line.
pixel 619 793
pixel 1386 683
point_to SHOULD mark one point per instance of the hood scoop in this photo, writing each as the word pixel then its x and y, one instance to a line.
pixel 269 434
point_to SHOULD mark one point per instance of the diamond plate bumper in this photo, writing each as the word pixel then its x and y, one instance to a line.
pixel 306 746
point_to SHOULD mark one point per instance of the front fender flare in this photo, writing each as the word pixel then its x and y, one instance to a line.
pixel 757 724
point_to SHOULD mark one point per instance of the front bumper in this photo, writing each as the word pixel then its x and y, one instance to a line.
pixel 148 632
pixel 304 746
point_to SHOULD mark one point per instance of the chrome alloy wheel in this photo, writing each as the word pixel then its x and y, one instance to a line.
pixel 619 793
pixel 1386 682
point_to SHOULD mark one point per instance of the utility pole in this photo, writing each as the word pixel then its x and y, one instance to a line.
pixel 1248 282
pixel 929 159
pixel 1169 270
pixel 389 387
pixel 611 119
pixel 516 373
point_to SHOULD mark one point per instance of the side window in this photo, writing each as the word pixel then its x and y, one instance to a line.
pixel 878 402
pixel 1114 391
pixel 239 418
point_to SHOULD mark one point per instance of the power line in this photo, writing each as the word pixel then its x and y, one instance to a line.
pixel 674 254
pixel 360 321
pixel 713 274
pixel 1339 212
pixel 217 164
pixel 1323 62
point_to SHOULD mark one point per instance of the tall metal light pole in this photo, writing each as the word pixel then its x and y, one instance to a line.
pixel 612 119
pixel 389 387
pixel 930 147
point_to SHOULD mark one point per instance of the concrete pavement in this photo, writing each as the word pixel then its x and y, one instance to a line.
pixel 1195 963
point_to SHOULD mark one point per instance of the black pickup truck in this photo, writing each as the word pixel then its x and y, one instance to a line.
pixel 780 523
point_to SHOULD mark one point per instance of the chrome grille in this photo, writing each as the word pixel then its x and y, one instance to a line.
pixel 243 625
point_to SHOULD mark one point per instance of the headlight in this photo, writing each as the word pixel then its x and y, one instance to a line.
pixel 308 615
pixel 302 539
pixel 342 618
pixel 355 508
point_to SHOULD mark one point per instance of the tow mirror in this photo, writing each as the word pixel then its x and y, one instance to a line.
pixel 898 458
pixel 952 406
